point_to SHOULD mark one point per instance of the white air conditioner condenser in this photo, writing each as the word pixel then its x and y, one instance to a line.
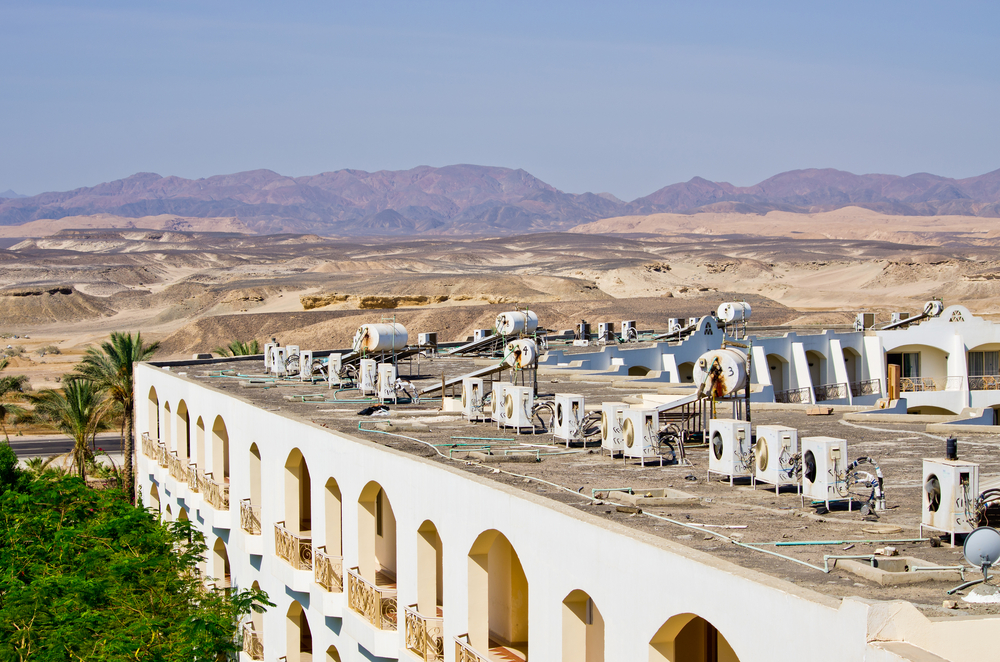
pixel 567 417
pixel 824 463
pixel 776 445
pixel 729 446
pixel 612 418
pixel 950 489
pixel 472 398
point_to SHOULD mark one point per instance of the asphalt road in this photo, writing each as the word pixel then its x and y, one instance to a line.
pixel 44 446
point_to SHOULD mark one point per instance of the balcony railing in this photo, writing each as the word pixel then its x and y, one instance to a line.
pixel 252 644
pixel 869 387
pixel 161 454
pixel 192 477
pixel 793 396
pixel 917 384
pixel 249 517
pixel 296 550
pixel 464 652
pixel 831 392
pixel 148 446
pixel 424 635
pixel 329 571
pixel 376 604
pixel 217 494
pixel 177 469
pixel 984 383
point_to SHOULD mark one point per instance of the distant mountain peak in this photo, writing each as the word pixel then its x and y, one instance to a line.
pixel 11 194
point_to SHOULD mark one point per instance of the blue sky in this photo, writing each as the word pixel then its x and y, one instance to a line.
pixel 618 97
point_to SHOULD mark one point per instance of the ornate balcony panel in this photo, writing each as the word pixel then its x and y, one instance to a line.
pixel 984 383
pixel 161 454
pixel 249 517
pixel 192 477
pixel 793 396
pixel 296 550
pixel 376 604
pixel 217 494
pixel 868 387
pixel 329 571
pixel 424 635
pixel 917 384
pixel 831 392
pixel 466 653
pixel 252 644
pixel 177 469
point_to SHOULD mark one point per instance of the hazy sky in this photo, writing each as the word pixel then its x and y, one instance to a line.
pixel 619 97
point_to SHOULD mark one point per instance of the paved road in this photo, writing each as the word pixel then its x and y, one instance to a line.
pixel 44 446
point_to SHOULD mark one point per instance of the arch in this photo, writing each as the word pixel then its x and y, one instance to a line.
pixel 984 361
pixel 257 618
pixel 182 515
pixel 376 536
pixel 199 444
pixel 430 566
pixel 333 511
pixel 332 654
pixel 154 498
pixel 777 367
pixel 298 641
pixel 689 638
pixel 918 361
pixel 220 570
pixel 638 371
pixel 817 367
pixel 685 372
pixel 298 491
pixel 583 629
pixel 220 451
pixel 182 423
pixel 166 421
pixel 168 514
pixel 931 410
pixel 852 361
pixel 255 479
pixel 498 597
pixel 153 415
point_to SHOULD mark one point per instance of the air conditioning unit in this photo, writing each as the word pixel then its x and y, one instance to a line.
pixel 472 398
pixel 496 402
pixel 864 321
pixel 674 324
pixel 386 382
pixel 776 445
pixel 334 364
pixel 278 356
pixel 612 418
pixel 518 402
pixel 605 332
pixel 950 490
pixel 583 330
pixel 481 334
pixel 567 421
pixel 367 376
pixel 640 434
pixel 693 321
pixel 427 339
pixel 268 358
pixel 897 317
pixel 824 463
pixel 729 446
pixel 629 330
pixel 305 365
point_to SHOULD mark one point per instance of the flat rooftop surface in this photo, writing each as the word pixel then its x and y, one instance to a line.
pixel 742 512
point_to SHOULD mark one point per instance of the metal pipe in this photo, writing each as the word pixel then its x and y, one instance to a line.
pixel 799 543
pixel 836 557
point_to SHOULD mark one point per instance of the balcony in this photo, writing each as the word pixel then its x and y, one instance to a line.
pixel 464 652
pixel 826 392
pixel 148 446
pixel 176 466
pixel 424 634
pixel 329 571
pixel 984 383
pixel 249 517
pixel 192 477
pixel 918 384
pixel 793 396
pixel 161 454
pixel 296 550
pixel 252 644
pixel 217 494
pixel 376 603
pixel 868 387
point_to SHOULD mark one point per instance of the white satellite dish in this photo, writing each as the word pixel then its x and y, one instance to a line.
pixel 982 547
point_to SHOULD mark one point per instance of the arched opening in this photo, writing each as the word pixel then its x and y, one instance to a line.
pixel 250 508
pixel 852 361
pixel 777 367
pixel 219 570
pixel 685 372
pixel 294 533
pixel 930 410
pixel 583 629
pixel 167 438
pixel 154 498
pixel 983 364
pixel 199 444
pixel 817 367
pixel 220 451
pixel 298 643
pixel 253 632
pixel 153 415
pixel 638 371
pixel 329 557
pixel 332 655
pixel 168 514
pixel 372 585
pixel 182 515
pixel 922 367
pixel 183 427
pixel 424 620
pixel 689 638
pixel 498 598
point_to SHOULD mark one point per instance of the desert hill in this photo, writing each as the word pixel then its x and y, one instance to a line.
pixel 465 200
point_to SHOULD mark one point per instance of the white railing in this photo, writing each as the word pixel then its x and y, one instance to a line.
pixel 177 469
pixel 216 494
pixel 149 446
pixel 464 652
pixel 192 477
pixel 376 604
pixel 161 454
pixel 296 550
pixel 249 517
pixel 329 570
pixel 252 644
pixel 424 635
pixel 826 392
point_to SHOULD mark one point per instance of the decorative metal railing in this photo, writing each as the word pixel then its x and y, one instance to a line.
pixel 868 387
pixel 464 652
pixel 177 469
pixel 424 635
pixel 148 446
pixel 984 383
pixel 249 517
pixel 252 644
pixel 916 384
pixel 296 550
pixel 161 454
pixel 793 396
pixel 329 570
pixel 376 604
pixel 192 477
pixel 830 392
pixel 216 494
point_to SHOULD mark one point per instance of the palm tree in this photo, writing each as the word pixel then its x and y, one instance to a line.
pixel 11 387
pixel 80 410
pixel 238 348
pixel 111 369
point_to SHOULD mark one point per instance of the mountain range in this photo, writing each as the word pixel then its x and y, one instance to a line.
pixel 470 199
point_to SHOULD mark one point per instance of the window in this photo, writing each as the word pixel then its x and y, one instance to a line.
pixel 984 363
pixel 909 363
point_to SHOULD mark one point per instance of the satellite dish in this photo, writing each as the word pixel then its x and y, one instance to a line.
pixel 982 547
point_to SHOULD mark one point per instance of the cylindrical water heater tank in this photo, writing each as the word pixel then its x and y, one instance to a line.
pixel 520 353
pixel 515 322
pixel 733 311
pixel 380 337
pixel 722 371
pixel 933 308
